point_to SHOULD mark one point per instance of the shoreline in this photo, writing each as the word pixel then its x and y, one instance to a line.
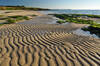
pixel 41 19
pixel 38 42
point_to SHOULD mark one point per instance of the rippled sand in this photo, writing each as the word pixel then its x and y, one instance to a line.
pixel 46 45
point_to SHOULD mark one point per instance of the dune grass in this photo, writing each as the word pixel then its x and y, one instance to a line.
pixel 34 15
pixel 10 21
pixel 18 17
pixel 14 19
pixel 1 24
pixel 1 15
pixel 0 49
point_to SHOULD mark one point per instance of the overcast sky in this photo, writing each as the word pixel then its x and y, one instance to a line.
pixel 55 4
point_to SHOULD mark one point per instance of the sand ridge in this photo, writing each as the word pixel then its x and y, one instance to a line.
pixel 46 45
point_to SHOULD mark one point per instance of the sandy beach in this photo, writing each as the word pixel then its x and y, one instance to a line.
pixel 38 42
pixel 8 13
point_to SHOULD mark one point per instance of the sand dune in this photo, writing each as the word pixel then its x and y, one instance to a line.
pixel 46 45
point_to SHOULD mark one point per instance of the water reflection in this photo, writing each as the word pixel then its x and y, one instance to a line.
pixel 84 33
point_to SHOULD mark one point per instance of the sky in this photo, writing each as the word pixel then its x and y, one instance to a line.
pixel 55 4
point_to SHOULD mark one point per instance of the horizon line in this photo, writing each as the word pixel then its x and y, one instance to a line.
pixel 53 8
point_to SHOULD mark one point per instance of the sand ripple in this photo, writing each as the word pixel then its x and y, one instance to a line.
pixel 46 45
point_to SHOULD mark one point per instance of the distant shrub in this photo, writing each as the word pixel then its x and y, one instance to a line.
pixel 1 15
pixel 9 8
pixel 34 15
pixel 26 17
pixel 18 17
pixel 0 49
pixel 10 21
pixel 60 21
pixel 15 16
pixel 1 24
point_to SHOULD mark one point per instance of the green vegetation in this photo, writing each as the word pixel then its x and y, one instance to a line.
pixel 1 15
pixel 95 26
pixel 17 18
pixel 20 8
pixel 26 18
pixel 61 21
pixel 94 29
pixel 86 15
pixel 10 21
pixel 1 24
pixel 0 50
pixel 34 15
pixel 63 16
pixel 14 19
pixel 75 18
pixel 80 21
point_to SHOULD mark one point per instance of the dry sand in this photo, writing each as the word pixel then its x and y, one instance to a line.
pixel 19 12
pixel 47 45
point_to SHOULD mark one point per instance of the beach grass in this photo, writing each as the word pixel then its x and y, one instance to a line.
pixel 10 21
pixel 14 19
pixel 1 15
pixel 1 24
pixel 34 15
